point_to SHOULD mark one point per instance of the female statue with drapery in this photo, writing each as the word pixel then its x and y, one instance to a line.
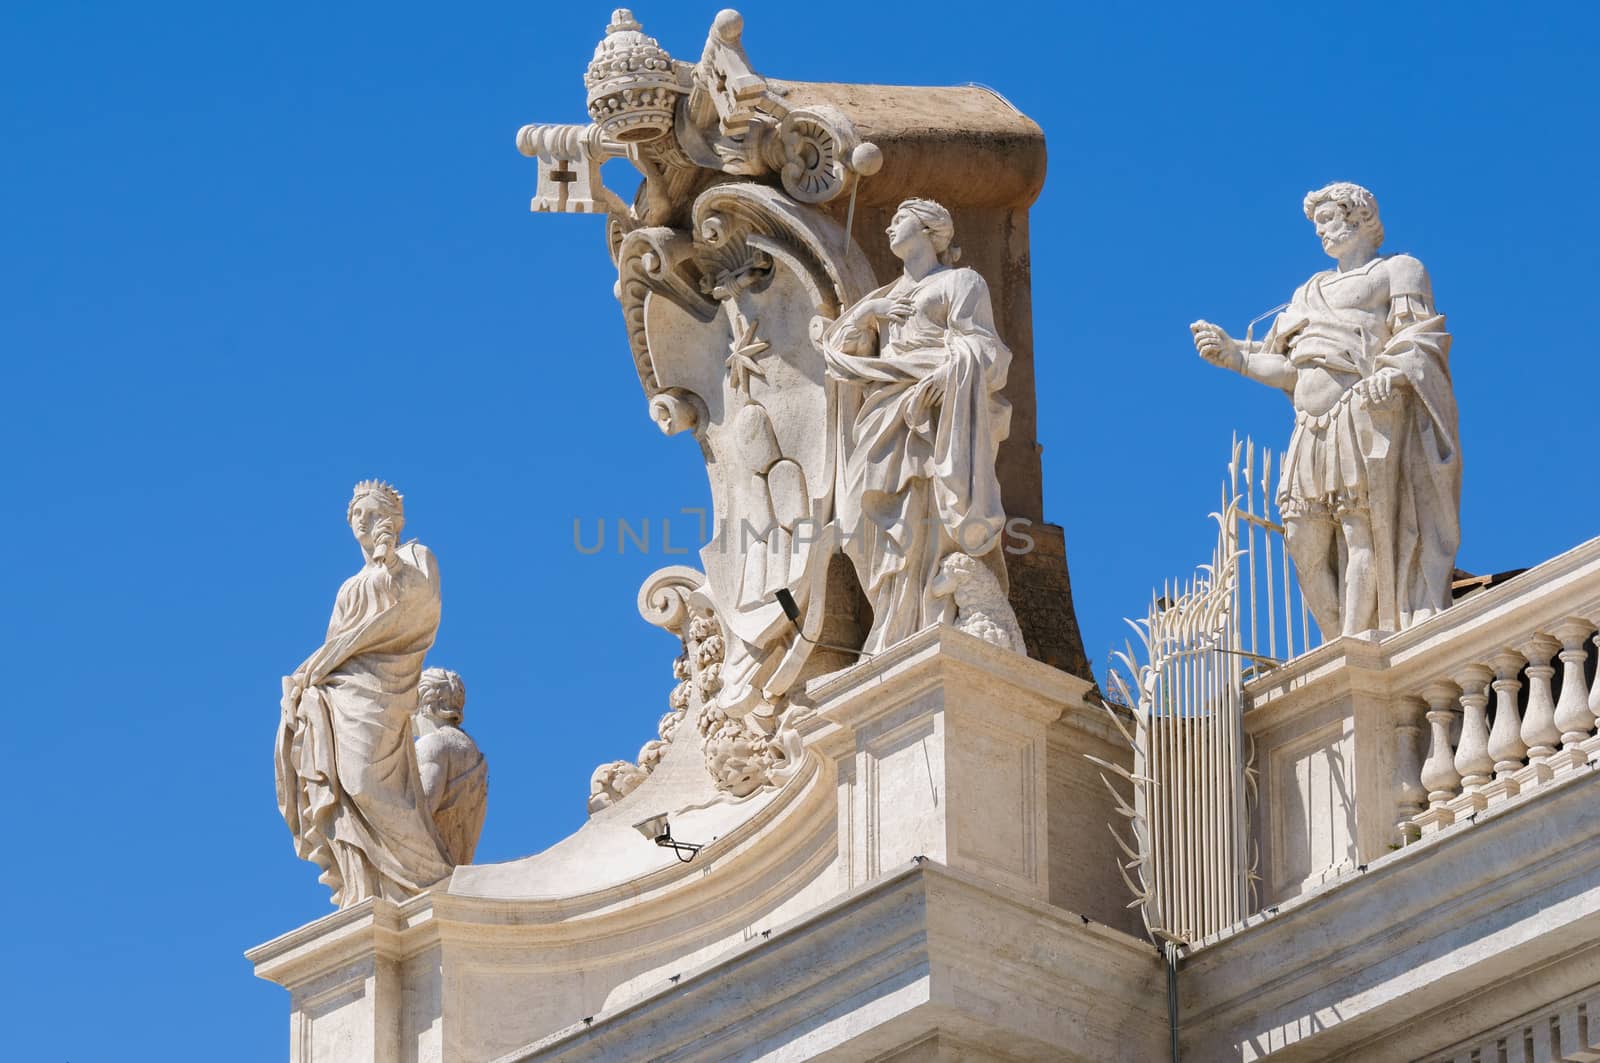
pixel 920 419
pixel 347 777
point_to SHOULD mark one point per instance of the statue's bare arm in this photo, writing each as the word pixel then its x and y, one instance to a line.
pixel 431 771
pixel 1253 360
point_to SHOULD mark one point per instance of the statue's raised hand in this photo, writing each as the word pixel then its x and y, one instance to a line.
pixel 885 308
pixel 1216 346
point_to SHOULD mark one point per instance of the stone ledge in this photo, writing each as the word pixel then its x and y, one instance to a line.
pixel 373 927
pixel 936 653
pixel 921 951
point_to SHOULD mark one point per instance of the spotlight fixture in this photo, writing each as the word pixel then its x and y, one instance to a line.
pixel 791 609
pixel 656 829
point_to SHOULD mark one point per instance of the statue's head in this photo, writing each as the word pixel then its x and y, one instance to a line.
pixel 377 515
pixel 923 219
pixel 1344 213
pixel 442 696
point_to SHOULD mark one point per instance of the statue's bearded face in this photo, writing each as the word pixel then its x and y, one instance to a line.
pixel 373 521
pixel 1335 228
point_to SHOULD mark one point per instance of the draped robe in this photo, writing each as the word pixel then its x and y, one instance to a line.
pixel 913 488
pixel 347 777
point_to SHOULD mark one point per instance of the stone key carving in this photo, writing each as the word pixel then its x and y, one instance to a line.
pixel 676 121
pixel 348 782
pixel 921 417
pixel 455 776
pixel 1371 484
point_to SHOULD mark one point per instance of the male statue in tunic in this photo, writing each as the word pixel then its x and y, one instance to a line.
pixel 455 777
pixel 348 783
pixel 921 419
pixel 1370 491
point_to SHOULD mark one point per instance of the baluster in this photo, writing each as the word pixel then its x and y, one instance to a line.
pixel 1539 731
pixel 1473 761
pixel 1505 738
pixel 1573 718
pixel 1594 694
pixel 1410 797
pixel 1439 775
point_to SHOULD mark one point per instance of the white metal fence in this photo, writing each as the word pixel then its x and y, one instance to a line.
pixel 1190 853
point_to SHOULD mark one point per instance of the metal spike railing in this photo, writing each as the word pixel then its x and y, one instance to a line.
pixel 1190 857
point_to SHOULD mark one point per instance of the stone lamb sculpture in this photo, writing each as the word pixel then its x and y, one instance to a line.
pixel 980 602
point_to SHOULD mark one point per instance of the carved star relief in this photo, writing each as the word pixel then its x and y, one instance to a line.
pixel 742 353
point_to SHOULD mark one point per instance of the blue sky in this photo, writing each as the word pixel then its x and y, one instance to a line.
pixel 253 254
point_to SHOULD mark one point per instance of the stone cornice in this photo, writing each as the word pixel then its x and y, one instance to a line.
pixel 373 927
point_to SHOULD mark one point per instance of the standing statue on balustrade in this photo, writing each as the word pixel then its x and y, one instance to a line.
pixel 921 418
pixel 1371 485
pixel 348 782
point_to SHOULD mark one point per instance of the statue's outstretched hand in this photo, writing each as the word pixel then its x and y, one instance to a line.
pixel 1216 346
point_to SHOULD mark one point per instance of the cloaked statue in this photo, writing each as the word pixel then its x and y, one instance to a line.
pixel 1371 487
pixel 348 781
pixel 922 418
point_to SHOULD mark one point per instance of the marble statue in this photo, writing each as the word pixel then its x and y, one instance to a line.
pixel 1371 484
pixel 922 417
pixel 347 776
pixel 455 776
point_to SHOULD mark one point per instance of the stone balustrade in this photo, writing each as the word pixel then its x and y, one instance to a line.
pixel 1504 723
pixel 1373 742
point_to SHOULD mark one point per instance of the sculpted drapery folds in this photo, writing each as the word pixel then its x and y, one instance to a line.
pixel 1371 484
pixel 347 776
pixel 920 420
